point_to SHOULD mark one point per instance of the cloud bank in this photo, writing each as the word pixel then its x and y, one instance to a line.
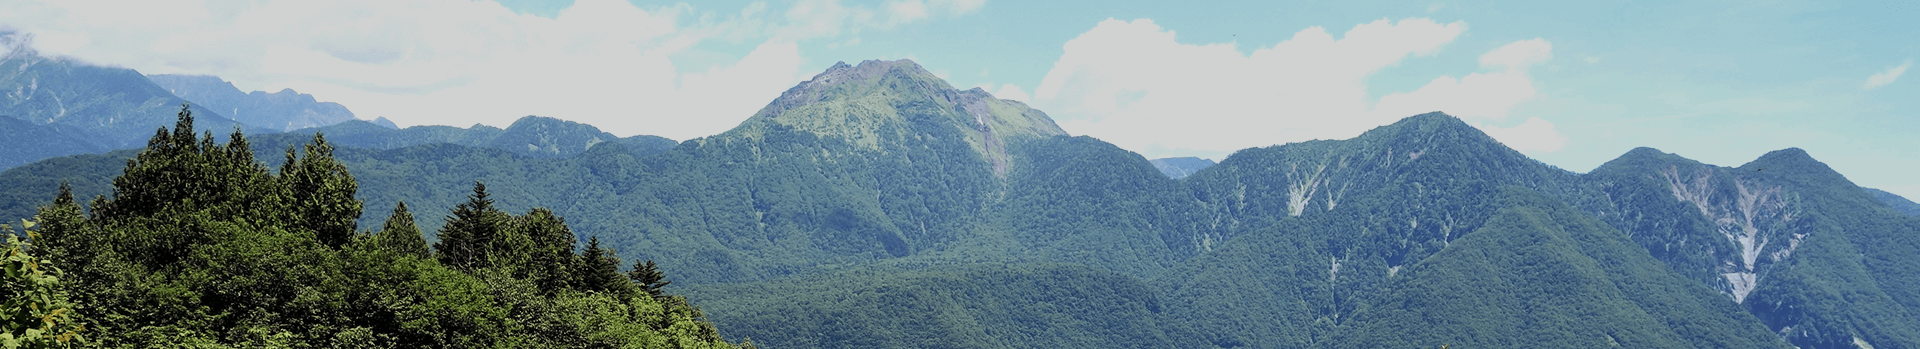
pixel 1131 83
pixel 461 62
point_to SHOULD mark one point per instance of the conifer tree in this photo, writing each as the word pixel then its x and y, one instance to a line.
pixel 470 231
pixel 400 235
pixel 600 271
pixel 322 192
pixel 648 275
pixel 63 234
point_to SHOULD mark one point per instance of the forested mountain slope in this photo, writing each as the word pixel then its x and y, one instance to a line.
pixel 1541 274
pixel 1816 258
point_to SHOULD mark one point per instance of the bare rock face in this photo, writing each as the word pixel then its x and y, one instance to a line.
pixel 1752 215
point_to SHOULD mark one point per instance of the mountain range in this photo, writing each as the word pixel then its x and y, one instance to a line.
pixel 875 205
pixel 279 111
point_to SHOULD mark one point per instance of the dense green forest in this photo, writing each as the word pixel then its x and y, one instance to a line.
pixel 876 206
pixel 201 245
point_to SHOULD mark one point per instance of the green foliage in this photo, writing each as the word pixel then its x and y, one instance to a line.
pixel 400 235
pixel 201 246
pixel 322 186
pixel 552 260
pixel 474 233
pixel 35 311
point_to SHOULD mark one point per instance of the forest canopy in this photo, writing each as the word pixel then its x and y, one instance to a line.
pixel 201 245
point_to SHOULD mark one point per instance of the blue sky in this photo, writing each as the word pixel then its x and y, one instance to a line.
pixel 1573 84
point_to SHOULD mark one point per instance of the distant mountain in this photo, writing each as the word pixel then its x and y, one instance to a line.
pixel 25 142
pixel 532 136
pixel 1897 202
pixel 1181 167
pixel 81 108
pixel 383 122
pixel 283 111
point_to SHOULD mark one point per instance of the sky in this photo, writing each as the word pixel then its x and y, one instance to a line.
pixel 1573 84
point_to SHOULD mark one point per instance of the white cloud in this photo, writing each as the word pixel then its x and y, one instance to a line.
pixel 1886 77
pixel 825 18
pixel 1518 55
pixel 1009 91
pixel 1132 84
pixel 907 10
pixel 1478 96
pixel 1487 97
pixel 460 62
pixel 1533 136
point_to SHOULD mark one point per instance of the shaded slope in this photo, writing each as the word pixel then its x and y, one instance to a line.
pixel 25 142
pixel 981 306
pixel 1081 200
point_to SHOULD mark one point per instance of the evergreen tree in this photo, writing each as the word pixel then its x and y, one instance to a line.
pixel 180 173
pixel 400 235
pixel 600 271
pixel 322 191
pixel 470 231
pixel 201 247
pixel 63 235
pixel 648 275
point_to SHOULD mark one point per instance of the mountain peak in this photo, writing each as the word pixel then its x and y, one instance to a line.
pixel 842 79
pixel 877 105
pixel 1425 128
pixel 1428 122
pixel 1793 162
